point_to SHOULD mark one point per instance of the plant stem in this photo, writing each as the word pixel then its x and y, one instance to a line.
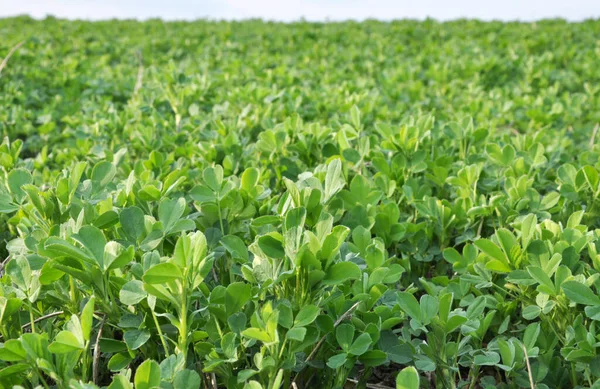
pixel 183 330
pixel 474 376
pixel 10 53
pixel 31 318
pixel 160 334
pixel 220 217
pixel 96 360
pixel 337 322
pixel 282 348
pixel 573 375
pixel 72 292
pixel 39 374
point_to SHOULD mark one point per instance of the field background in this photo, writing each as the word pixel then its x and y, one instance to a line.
pixel 254 204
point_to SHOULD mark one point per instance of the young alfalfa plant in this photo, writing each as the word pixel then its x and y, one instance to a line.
pixel 263 205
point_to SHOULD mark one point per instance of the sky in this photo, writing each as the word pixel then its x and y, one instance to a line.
pixel 317 10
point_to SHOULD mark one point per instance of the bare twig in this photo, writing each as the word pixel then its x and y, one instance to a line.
pixel 337 322
pixel 370 386
pixel 3 264
pixel 594 132
pixel 97 352
pixel 480 227
pixel 48 316
pixel 10 53
pixel 528 368
pixel 140 75
pixel 203 375
pixel 213 380
pixel 345 315
pixel 294 386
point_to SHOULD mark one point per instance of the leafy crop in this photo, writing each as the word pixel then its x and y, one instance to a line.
pixel 253 205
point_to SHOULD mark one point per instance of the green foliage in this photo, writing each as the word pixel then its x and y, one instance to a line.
pixel 263 205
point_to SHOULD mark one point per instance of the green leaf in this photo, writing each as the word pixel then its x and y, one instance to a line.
pixel 408 378
pixel 429 307
pixel 341 272
pixel 119 361
pixel 374 257
pixel 491 250
pixel 213 177
pixel 296 333
pixel 186 379
pixel 103 173
pixel 132 222
pixel 12 351
pixel 531 312
pixel 87 318
pixel 149 193
pixel 360 345
pixel 93 241
pixel 355 117
pixel 152 240
pixel 593 312
pixel 488 358
pixel 546 284
pixel 591 176
pixel 132 292
pixel 333 242
pixel 575 219
pixel 136 338
pixel 528 226
pixel 115 257
pixel 580 293
pixel 306 316
pixel 20 273
pixel 162 273
pixel 147 375
pixel 202 194
pixel 294 218
pixel 373 358
pixel 58 247
pixel 549 200
pixel 337 360
pixel 190 250
pixel 497 266
pixel 14 369
pixel 237 322
pixel 454 322
pixel 237 295
pixel 120 382
pixel 253 385
pixel 344 335
pixel 250 179
pixel 258 334
pixel 65 342
pixel 334 180
pixel 6 205
pixel 169 212
pixel 236 247
pixel 8 306
pixel 112 346
pixel 271 247
pixel 452 256
pixel 530 336
pixel 408 303
pixel 476 308
pixel 16 179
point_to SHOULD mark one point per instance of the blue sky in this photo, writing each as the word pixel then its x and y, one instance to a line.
pixel 289 10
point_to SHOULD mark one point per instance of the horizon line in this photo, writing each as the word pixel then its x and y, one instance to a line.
pixel 303 19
